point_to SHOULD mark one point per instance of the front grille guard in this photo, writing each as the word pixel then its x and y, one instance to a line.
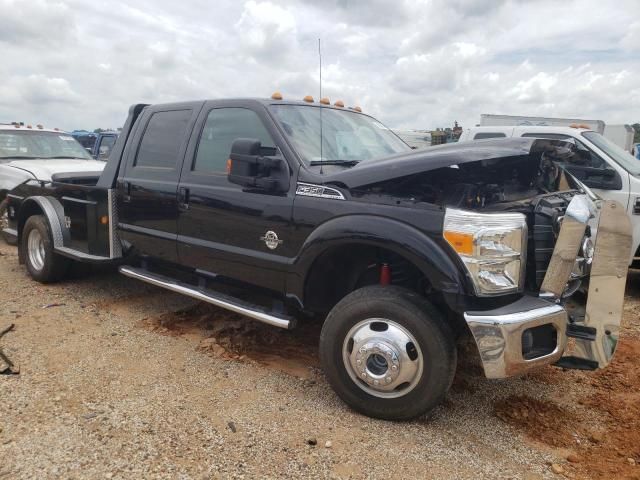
pixel 597 333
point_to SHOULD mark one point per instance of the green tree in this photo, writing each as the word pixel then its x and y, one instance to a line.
pixel 636 136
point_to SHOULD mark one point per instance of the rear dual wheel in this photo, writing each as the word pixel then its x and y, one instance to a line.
pixel 388 353
pixel 43 264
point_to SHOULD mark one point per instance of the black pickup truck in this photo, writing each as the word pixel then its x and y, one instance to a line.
pixel 281 209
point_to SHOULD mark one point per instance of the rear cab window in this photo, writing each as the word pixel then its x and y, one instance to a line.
pixel 485 135
pixel 163 139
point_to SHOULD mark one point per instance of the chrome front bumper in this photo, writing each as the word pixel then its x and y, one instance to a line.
pixel 499 333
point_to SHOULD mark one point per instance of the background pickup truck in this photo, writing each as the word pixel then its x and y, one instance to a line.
pixel 609 170
pixel 279 209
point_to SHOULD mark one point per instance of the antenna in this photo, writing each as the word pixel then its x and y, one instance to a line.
pixel 320 97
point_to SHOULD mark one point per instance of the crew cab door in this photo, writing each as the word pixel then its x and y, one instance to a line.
pixel 147 189
pixel 223 228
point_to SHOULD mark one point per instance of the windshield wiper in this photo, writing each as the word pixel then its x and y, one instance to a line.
pixel 18 157
pixel 65 157
pixel 349 163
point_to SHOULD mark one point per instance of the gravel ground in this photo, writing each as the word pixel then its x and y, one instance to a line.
pixel 113 384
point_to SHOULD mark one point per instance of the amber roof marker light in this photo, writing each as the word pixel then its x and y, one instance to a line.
pixel 276 96
pixel 339 103
pixel 308 99
pixel 325 101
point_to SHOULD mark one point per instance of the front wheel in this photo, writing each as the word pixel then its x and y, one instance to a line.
pixel 43 264
pixel 388 353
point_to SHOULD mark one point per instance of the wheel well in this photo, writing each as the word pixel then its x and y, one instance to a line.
pixel 342 269
pixel 26 211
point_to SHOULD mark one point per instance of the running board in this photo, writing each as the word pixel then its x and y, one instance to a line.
pixel 218 299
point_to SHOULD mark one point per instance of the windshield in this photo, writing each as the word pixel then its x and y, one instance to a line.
pixel 619 155
pixel 23 144
pixel 346 136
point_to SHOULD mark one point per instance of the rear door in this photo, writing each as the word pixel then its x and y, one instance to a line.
pixel 147 191
pixel 223 227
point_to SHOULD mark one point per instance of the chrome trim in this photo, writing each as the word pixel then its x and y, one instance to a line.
pixel 205 297
pixel 115 245
pixel 318 191
pixel 607 282
pixel 499 339
pixel 580 210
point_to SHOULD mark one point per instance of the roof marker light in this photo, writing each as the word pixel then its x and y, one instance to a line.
pixel 325 101
pixel 29 126
pixel 308 99
pixel 276 96
pixel 40 126
pixel 357 109
pixel 339 103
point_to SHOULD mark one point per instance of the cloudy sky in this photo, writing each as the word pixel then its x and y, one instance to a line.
pixel 412 64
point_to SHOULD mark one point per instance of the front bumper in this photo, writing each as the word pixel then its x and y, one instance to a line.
pixel 534 331
pixel 499 335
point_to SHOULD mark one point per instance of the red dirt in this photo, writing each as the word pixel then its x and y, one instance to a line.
pixel 612 451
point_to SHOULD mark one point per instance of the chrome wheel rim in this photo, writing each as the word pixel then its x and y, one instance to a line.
pixel 382 357
pixel 35 247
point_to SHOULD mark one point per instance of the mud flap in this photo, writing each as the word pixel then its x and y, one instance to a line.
pixel 605 299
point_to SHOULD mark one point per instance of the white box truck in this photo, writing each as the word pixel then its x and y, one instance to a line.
pixel 489 120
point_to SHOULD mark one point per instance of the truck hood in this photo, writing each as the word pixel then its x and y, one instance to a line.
pixel 44 169
pixel 420 161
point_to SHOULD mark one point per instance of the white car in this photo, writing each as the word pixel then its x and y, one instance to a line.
pixel 610 171
pixel 28 153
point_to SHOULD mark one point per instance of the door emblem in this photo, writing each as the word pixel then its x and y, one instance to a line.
pixel 271 240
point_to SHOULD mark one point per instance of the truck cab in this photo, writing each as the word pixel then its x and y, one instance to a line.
pixel 604 167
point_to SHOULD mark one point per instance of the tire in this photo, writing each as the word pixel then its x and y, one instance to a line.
pixel 43 264
pixel 373 324
pixel 4 222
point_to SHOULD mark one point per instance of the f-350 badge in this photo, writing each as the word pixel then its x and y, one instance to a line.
pixel 271 240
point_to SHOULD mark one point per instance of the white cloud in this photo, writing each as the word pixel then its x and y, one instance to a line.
pixel 415 64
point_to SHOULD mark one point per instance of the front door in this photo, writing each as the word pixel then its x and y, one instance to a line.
pixel 147 192
pixel 223 228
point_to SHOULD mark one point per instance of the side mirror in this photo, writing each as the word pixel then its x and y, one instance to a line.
pixel 257 167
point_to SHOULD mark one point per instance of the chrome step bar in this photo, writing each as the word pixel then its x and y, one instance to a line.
pixel 215 298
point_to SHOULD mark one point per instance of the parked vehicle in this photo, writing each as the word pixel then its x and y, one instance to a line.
pixel 621 135
pixel 30 153
pixel 276 209
pixel 415 138
pixel 98 145
pixel 488 120
pixel 600 164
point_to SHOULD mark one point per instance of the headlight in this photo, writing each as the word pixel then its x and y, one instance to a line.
pixel 493 247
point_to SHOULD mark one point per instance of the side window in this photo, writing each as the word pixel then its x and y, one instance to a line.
pixel 162 139
pixel 483 135
pixel 222 127
pixel 584 157
pixel 104 149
